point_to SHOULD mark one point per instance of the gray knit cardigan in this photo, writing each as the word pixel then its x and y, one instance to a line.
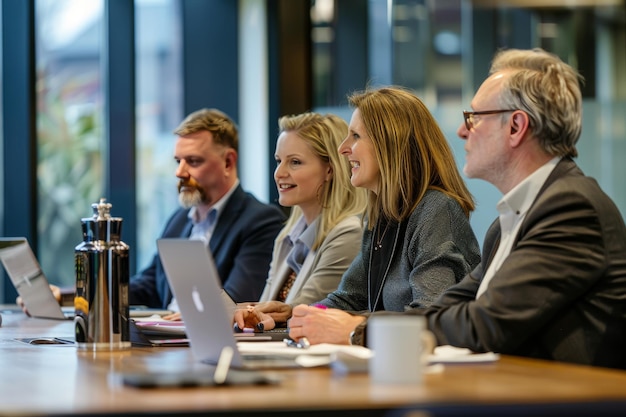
pixel 437 249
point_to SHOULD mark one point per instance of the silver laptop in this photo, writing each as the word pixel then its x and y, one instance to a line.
pixel 31 284
pixel 194 280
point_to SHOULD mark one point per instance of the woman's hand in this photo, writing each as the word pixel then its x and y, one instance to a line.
pixel 267 314
pixel 321 325
pixel 279 311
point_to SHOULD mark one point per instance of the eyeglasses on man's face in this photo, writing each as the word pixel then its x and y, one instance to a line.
pixel 469 116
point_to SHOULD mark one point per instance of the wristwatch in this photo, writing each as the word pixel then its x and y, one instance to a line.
pixel 358 335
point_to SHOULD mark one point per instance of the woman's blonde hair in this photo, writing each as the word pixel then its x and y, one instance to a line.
pixel 338 198
pixel 411 151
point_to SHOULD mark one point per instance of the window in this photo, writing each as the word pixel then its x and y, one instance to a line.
pixel 69 127
pixel 159 111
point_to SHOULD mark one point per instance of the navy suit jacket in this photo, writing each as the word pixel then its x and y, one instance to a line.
pixel 241 245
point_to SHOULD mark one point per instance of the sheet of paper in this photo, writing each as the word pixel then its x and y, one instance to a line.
pixel 322 349
pixel 156 325
pixel 450 354
pixel 317 355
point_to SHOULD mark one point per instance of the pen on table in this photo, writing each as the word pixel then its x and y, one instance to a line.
pixel 302 343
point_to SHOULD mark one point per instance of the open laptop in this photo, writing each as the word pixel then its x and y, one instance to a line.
pixel 31 283
pixel 194 280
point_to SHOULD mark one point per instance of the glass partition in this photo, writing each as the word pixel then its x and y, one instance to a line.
pixel 442 50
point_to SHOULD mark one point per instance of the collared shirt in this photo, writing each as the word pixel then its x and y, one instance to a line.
pixel 204 221
pixel 513 208
pixel 203 225
pixel 301 239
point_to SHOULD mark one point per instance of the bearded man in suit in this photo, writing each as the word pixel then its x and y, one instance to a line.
pixel 238 229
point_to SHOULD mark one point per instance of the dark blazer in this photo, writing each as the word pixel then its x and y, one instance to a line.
pixel 560 294
pixel 241 244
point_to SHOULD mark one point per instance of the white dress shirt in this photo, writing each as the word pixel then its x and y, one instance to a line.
pixel 513 208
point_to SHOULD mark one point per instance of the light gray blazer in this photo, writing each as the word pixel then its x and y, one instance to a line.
pixel 322 269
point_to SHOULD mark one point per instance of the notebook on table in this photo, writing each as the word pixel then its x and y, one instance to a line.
pixel 193 278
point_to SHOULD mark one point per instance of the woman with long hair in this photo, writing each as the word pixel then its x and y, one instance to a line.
pixel 418 240
pixel 321 237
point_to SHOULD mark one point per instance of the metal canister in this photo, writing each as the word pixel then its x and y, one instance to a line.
pixel 102 275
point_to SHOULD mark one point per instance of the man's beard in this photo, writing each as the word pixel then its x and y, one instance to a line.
pixel 190 195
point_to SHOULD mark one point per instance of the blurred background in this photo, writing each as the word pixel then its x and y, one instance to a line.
pixel 92 90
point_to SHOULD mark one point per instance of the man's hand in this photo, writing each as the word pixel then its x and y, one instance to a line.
pixel 56 291
pixel 320 325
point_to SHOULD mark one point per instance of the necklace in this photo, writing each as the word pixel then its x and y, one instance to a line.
pixel 379 237
pixel 377 272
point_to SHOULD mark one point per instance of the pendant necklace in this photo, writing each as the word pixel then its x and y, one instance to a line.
pixel 379 238
pixel 375 286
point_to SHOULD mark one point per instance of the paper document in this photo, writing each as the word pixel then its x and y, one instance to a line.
pixel 451 354
pixel 322 354
pixel 155 325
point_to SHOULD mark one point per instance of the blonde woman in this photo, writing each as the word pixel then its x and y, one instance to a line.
pixel 418 240
pixel 323 232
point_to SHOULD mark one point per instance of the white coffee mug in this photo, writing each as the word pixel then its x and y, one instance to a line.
pixel 400 345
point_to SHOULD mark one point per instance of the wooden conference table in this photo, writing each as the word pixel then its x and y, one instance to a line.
pixel 40 380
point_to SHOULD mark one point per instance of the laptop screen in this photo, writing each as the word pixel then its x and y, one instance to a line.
pixel 31 284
